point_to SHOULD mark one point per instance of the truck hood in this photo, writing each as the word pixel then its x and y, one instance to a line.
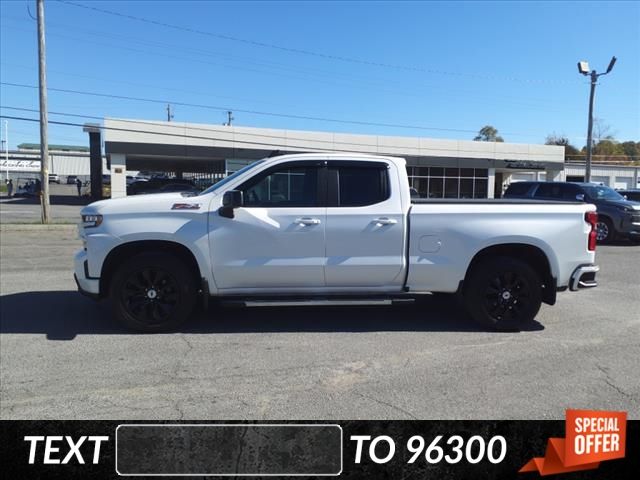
pixel 156 202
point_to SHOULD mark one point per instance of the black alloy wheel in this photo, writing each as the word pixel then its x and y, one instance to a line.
pixel 507 296
pixel 153 292
pixel 503 293
pixel 150 295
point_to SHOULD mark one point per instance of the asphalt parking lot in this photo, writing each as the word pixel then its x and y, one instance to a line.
pixel 65 206
pixel 61 355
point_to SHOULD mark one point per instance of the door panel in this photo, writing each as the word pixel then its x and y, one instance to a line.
pixel 270 248
pixel 361 251
pixel 365 228
pixel 276 240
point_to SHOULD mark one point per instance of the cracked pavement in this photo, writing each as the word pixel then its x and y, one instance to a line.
pixel 62 357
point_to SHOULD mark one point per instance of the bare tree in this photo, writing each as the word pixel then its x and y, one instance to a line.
pixel 602 131
pixel 563 141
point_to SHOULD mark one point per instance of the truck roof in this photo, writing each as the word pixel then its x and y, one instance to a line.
pixel 336 155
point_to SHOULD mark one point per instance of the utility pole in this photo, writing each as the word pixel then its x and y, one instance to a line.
pixel 44 141
pixel 229 118
pixel 169 113
pixel 583 68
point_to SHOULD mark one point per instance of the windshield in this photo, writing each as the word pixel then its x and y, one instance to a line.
pixel 599 192
pixel 226 180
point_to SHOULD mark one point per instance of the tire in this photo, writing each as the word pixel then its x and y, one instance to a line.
pixel 153 292
pixel 503 293
pixel 604 230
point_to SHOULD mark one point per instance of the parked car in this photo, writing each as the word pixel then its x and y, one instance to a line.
pixel 54 178
pixel 617 216
pixel 155 185
pixel 130 179
pixel 86 189
pixel 71 179
pixel 314 228
pixel 632 194
pixel 26 187
pixel 179 187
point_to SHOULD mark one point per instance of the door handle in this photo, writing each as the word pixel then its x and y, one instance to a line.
pixel 385 221
pixel 308 221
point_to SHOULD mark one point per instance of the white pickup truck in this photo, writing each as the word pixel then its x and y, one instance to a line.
pixel 323 228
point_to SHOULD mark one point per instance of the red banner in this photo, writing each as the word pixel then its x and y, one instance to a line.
pixel 592 436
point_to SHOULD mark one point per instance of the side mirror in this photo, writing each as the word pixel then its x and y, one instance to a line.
pixel 231 200
pixel 580 197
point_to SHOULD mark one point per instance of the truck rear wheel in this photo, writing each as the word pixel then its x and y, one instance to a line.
pixel 503 293
pixel 153 292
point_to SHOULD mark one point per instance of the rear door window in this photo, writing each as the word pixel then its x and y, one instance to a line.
pixel 551 190
pixel 569 192
pixel 519 189
pixel 358 185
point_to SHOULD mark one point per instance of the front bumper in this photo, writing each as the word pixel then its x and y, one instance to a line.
pixel 584 277
pixel 87 285
pixel 630 225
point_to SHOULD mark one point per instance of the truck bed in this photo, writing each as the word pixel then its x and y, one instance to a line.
pixel 445 234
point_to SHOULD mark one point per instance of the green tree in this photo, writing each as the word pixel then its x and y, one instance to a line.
pixel 488 133
pixel 608 147
pixel 631 149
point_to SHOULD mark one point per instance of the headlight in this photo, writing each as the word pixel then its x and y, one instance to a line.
pixel 89 221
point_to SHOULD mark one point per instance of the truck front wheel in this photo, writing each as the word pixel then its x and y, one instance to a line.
pixel 604 230
pixel 503 293
pixel 153 292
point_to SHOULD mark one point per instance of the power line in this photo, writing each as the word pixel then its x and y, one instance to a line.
pixel 304 51
pixel 256 112
pixel 262 62
pixel 182 128
pixel 148 132
pixel 252 134
pixel 311 75
pixel 209 130
pixel 138 84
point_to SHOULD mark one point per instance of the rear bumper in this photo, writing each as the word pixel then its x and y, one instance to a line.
pixel 584 277
pixel 87 285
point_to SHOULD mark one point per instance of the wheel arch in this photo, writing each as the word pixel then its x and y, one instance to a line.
pixel 127 250
pixel 605 216
pixel 533 255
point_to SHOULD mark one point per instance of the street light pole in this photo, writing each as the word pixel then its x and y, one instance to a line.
pixel 6 145
pixel 587 169
pixel 583 68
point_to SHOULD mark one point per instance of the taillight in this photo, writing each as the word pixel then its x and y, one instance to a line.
pixel 592 219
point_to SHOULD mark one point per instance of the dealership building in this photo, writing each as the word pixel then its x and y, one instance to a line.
pixel 437 168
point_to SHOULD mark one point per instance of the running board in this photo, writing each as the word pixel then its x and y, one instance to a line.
pixel 338 302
